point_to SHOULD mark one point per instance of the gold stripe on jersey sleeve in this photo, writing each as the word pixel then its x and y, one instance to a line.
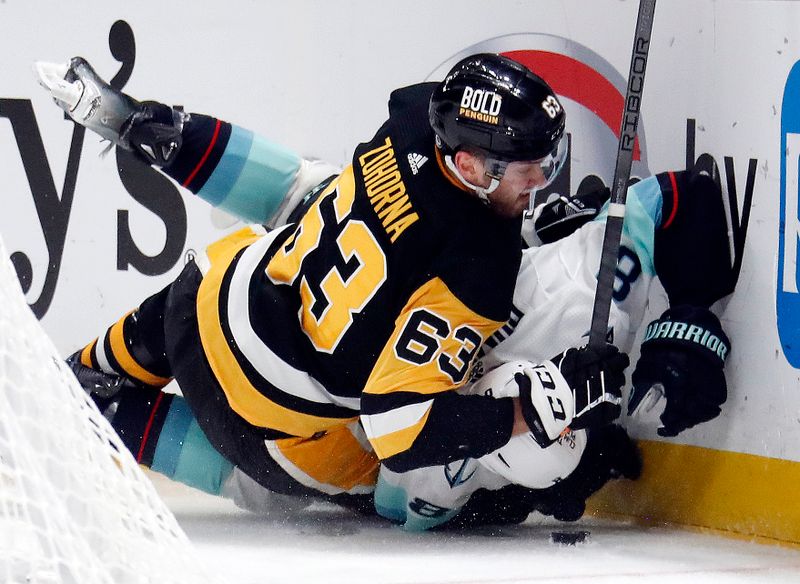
pixel 119 349
pixel 86 353
pixel 221 248
pixel 242 396
pixel 390 444
pixel 336 459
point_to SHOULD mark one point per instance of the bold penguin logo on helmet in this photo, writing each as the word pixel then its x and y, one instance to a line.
pixel 490 102
pixel 481 105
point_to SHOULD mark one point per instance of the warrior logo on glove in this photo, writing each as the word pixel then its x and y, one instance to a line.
pixel 683 356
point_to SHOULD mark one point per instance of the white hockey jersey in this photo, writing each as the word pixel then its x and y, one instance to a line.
pixel 553 303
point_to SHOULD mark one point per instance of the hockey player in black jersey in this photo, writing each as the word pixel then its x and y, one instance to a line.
pixel 310 352
pixel 334 454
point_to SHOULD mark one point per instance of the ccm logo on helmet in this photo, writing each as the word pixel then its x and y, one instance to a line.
pixel 481 105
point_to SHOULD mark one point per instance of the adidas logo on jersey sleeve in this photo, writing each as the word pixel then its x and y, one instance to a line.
pixel 415 161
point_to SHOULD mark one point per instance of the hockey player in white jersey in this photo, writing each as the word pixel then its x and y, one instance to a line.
pixel 675 228
pixel 551 314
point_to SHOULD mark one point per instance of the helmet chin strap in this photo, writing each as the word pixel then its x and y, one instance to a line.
pixel 483 193
pixel 532 202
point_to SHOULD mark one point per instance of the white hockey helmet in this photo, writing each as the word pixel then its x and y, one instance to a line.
pixel 522 461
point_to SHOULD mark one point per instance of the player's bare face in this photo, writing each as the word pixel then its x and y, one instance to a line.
pixel 511 197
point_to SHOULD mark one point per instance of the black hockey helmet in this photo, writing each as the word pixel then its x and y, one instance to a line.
pixel 493 104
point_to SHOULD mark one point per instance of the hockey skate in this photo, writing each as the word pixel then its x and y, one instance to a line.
pixel 151 129
pixel 87 99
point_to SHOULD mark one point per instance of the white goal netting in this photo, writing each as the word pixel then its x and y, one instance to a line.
pixel 74 505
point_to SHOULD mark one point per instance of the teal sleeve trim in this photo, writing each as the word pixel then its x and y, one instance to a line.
pixel 390 501
pixel 200 465
pixel 220 183
pixel 642 215
pixel 252 177
pixel 416 522
pixel 184 454
pixel 170 440
pixel 648 193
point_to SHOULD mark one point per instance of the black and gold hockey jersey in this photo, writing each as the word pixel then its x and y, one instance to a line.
pixel 372 307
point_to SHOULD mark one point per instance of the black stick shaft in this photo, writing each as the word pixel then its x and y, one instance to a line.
pixel 622 173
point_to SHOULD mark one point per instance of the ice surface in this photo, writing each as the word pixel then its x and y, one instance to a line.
pixel 328 545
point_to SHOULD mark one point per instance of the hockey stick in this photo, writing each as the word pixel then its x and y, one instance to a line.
pixel 622 172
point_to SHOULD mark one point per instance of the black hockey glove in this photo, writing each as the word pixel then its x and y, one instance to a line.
pixel 610 454
pixel 596 377
pixel 683 355
pixel 509 505
pixel 154 132
pixel 566 214
pixel 587 393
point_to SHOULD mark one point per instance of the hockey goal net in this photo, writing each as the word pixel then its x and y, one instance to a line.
pixel 74 505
